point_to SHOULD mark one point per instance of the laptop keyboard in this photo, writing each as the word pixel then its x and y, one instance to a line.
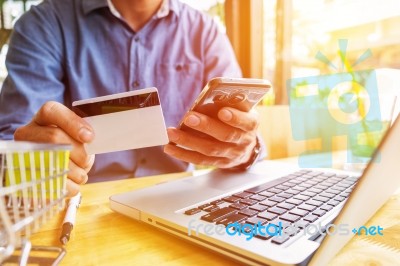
pixel 298 199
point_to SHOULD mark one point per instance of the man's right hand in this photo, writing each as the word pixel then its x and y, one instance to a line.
pixel 55 123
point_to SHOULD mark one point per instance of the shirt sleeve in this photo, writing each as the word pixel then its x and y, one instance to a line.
pixel 35 70
pixel 219 57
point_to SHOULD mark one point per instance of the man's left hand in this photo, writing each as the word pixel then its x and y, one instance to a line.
pixel 233 138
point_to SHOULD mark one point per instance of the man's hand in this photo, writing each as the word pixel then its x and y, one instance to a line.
pixel 234 138
pixel 55 123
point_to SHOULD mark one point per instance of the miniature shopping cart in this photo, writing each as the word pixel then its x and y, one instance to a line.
pixel 32 189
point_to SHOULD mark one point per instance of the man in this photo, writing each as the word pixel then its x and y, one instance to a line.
pixel 67 50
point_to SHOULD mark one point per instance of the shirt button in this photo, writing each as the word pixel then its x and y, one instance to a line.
pixel 137 39
pixel 178 68
pixel 135 84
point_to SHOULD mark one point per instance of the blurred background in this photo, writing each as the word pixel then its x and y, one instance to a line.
pixel 278 39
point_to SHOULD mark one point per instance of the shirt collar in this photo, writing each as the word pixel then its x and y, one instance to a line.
pixel 90 5
pixel 167 5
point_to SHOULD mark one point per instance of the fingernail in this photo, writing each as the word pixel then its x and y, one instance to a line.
pixel 85 135
pixel 225 115
pixel 173 135
pixel 192 121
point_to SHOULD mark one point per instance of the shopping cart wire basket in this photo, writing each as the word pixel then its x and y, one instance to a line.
pixel 32 189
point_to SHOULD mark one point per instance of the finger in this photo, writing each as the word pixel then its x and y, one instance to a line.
pixel 198 158
pixel 77 174
pixel 56 114
pixel 51 134
pixel 246 121
pixel 213 127
pixel 72 188
pixel 206 146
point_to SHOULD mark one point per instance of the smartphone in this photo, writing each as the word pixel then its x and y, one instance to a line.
pixel 240 93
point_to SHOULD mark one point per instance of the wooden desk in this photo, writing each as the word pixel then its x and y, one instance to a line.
pixel 102 237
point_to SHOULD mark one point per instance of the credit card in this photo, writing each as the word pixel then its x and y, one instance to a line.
pixel 124 121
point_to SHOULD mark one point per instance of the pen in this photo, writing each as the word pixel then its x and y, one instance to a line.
pixel 69 219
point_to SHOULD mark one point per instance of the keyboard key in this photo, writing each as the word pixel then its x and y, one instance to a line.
pixel 326 207
pixel 266 237
pixel 305 185
pixel 294 181
pixel 289 184
pixel 331 191
pixel 328 182
pixel 294 201
pixel 321 186
pixel 256 220
pixel 204 206
pixel 232 218
pixel 327 195
pixel 276 199
pixel 282 187
pixel 211 208
pixel 280 239
pixel 216 202
pixel 299 188
pixel 266 194
pixel 248 212
pixel 248 201
pixel 231 199
pixel 301 224
pixel 275 190
pixel 343 185
pixel 340 189
pixel 268 215
pixel 299 212
pixel 290 217
pixel 333 202
pixel 339 198
pixel 218 214
pixel 293 192
pixel 238 206
pixel 310 218
pixel 279 222
pixel 315 190
pixel 314 202
pixel 307 207
pixel 301 197
pixel 277 210
pixel 345 194
pixel 242 195
pixel 311 182
pixel 258 207
pixel 258 197
pixel 284 195
pixel 259 188
pixel 285 205
pixel 308 193
pixel 319 212
pixel 320 198
pixel 192 211
pixel 268 203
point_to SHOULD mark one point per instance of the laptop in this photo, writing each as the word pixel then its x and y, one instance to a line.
pixel 281 215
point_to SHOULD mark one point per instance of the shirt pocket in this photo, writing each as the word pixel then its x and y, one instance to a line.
pixel 178 84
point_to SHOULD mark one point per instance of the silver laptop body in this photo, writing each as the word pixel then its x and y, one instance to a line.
pixel 164 207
